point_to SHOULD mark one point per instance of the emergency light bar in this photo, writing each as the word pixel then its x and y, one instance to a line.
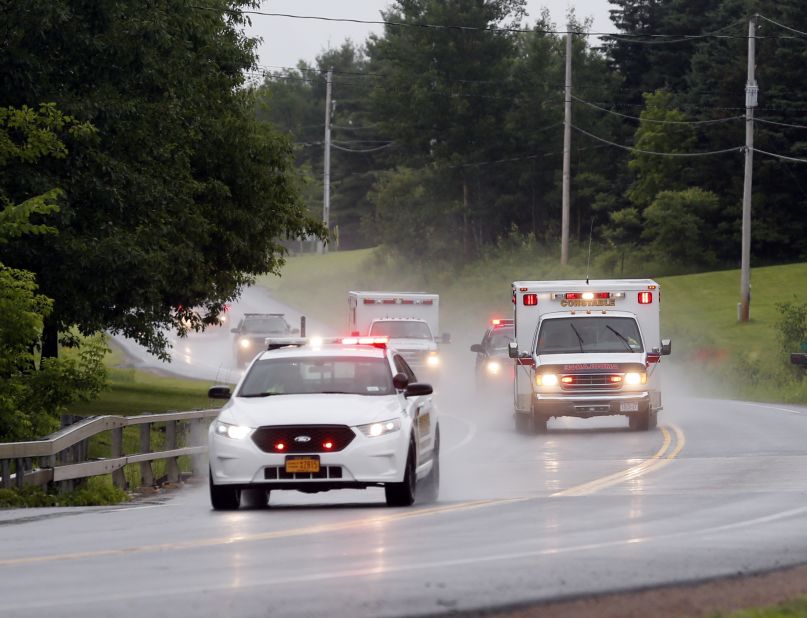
pixel 587 295
pixel 273 343
pixel 496 322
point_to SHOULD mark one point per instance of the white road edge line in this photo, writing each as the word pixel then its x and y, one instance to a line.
pixel 766 407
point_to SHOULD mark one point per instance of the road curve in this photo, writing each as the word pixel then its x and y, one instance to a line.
pixel 719 489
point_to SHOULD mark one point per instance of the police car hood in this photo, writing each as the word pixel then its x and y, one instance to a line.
pixel 412 344
pixel 591 362
pixel 316 409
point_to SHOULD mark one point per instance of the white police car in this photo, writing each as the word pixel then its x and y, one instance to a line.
pixel 314 415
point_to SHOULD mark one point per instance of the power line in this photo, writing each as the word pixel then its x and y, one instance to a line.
pixel 365 150
pixel 660 154
pixel 776 23
pixel 686 37
pixel 780 156
pixel 679 122
pixel 628 37
pixel 781 124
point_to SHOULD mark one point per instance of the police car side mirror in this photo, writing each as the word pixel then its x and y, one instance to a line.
pixel 477 347
pixel 512 350
pixel 418 389
pixel 666 347
pixel 219 392
pixel 233 330
pixel 400 381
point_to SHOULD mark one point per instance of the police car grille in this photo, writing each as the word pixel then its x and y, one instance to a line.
pixel 278 473
pixel 303 438
pixel 591 381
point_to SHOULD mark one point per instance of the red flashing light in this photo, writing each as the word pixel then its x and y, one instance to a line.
pixel 280 446
pixel 514 297
pixel 602 295
pixel 327 445
pixel 645 298
pixel 573 296
pixel 389 301
pixel 495 322
pixel 530 300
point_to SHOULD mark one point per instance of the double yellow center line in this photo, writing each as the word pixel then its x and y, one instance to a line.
pixel 672 445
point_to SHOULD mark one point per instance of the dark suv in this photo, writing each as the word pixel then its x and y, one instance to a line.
pixel 493 364
pixel 252 331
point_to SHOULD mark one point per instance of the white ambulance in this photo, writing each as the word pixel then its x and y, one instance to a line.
pixel 411 320
pixel 587 348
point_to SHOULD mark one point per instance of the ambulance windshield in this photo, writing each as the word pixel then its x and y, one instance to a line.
pixel 589 334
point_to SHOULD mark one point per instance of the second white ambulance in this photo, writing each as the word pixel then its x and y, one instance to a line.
pixel 587 348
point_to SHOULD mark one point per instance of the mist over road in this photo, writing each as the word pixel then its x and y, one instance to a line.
pixel 719 489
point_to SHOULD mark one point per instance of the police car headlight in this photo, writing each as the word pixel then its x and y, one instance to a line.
pixel 245 343
pixel 373 430
pixel 432 360
pixel 546 379
pixel 493 367
pixel 236 432
pixel 634 378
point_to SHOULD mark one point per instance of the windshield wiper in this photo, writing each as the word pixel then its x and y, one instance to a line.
pixel 334 393
pixel 579 338
pixel 621 336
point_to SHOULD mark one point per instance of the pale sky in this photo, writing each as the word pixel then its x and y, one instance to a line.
pixel 285 41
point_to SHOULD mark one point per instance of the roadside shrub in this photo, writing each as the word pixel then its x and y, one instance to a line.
pixel 97 491
pixel 791 325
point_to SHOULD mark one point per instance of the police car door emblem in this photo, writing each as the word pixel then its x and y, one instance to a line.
pixel 302 439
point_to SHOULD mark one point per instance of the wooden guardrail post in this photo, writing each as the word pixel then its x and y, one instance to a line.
pixel 19 469
pixel 5 466
pixel 146 473
pixel 171 464
pixel 116 448
pixel 197 429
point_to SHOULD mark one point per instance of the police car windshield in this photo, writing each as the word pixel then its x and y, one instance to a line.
pixel 401 329
pixel 269 324
pixel 590 334
pixel 318 374
pixel 500 338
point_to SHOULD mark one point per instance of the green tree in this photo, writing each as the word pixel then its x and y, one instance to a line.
pixel 181 198
pixel 678 227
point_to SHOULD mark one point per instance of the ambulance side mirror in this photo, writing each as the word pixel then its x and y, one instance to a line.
pixel 477 347
pixel 512 349
pixel 446 338
pixel 666 347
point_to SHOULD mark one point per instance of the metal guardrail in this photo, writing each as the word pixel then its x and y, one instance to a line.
pixel 62 456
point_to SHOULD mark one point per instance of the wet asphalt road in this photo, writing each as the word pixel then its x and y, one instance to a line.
pixel 719 489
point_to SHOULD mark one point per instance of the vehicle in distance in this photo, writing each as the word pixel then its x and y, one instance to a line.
pixel 313 415
pixel 493 364
pixel 410 319
pixel 252 331
pixel 587 348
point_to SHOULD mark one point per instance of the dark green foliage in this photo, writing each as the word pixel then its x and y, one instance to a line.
pixel 97 491
pixel 791 325
pixel 180 196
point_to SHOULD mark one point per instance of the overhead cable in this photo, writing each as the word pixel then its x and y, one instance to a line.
pixel 776 23
pixel 781 124
pixel 659 154
pixel 780 156
pixel 678 38
pixel 684 122
pixel 365 150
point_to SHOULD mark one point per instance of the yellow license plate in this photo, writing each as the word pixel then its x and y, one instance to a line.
pixel 302 464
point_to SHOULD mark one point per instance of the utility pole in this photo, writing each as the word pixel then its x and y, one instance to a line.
pixel 326 172
pixel 567 144
pixel 751 92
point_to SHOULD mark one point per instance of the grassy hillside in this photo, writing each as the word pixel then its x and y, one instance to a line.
pixel 699 312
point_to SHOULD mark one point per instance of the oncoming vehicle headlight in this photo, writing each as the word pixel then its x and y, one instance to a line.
pixel 546 379
pixel 493 367
pixel 244 343
pixel 236 432
pixel 373 430
pixel 432 360
pixel 633 378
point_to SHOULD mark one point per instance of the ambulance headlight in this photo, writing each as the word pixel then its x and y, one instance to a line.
pixel 546 379
pixel 635 378
pixel 245 343
pixel 493 367
pixel 433 360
